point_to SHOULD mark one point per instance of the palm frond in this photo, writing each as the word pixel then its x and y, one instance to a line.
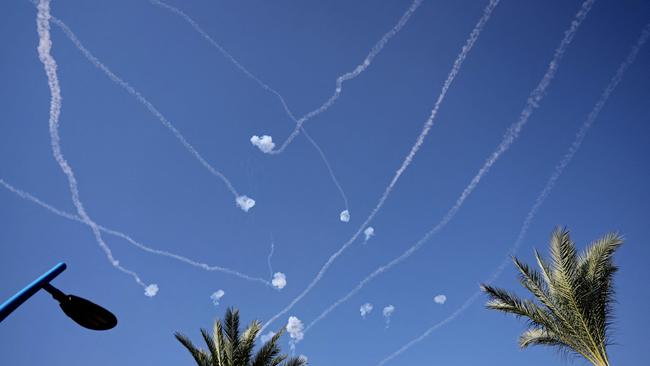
pixel 504 301
pixel 539 336
pixel 599 269
pixel 576 292
pixel 244 351
pixel 296 361
pixel 222 353
pixel 199 355
pixel 534 282
pixel 546 272
pixel 230 328
pixel 231 322
pixel 269 353
pixel 564 263
pixel 209 341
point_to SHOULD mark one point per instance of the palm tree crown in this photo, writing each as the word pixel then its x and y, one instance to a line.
pixel 228 347
pixel 574 296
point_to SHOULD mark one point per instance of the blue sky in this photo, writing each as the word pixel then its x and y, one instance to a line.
pixel 135 177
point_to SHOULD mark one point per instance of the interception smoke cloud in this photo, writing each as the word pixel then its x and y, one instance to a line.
pixel 244 202
pixel 49 64
pixel 557 172
pixel 151 290
pixel 387 312
pixel 216 297
pixel 295 329
pixel 511 135
pixel 210 268
pixel 368 233
pixel 264 143
pixel 365 309
pixel 345 216
pixel 264 86
pixel 440 299
pixel 376 49
pixel 279 280
pixel 467 47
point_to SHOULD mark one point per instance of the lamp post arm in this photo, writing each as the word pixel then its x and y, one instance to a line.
pixel 23 295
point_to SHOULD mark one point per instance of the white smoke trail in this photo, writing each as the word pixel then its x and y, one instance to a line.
pixel 487 12
pixel 259 82
pixel 351 75
pixel 49 64
pixel 136 94
pixel 557 172
pixel 268 259
pixel 512 134
pixel 29 197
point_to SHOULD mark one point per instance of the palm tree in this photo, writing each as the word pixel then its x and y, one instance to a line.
pixel 228 347
pixel 574 296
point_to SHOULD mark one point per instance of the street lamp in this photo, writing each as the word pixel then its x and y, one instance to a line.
pixel 83 312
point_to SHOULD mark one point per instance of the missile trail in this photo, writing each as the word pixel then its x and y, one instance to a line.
pixel 511 135
pixel 573 149
pixel 211 268
pixel 487 13
pixel 259 82
pixel 376 49
pixel 50 66
pixel 244 202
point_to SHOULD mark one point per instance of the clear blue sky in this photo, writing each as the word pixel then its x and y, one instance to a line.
pixel 135 177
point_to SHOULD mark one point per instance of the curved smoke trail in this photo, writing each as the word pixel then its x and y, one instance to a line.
pixel 543 194
pixel 350 75
pixel 211 268
pixel 511 135
pixel 407 161
pixel 259 82
pixel 244 202
pixel 49 64
pixel 270 256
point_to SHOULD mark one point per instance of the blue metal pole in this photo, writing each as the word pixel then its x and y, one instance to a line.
pixel 23 295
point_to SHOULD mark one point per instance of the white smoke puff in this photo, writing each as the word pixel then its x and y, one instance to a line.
pixel 345 216
pixel 440 299
pixel 295 328
pixel 267 337
pixel 279 280
pixel 370 231
pixel 216 296
pixel 245 203
pixel 387 312
pixel 264 143
pixel 303 358
pixel 365 309
pixel 151 290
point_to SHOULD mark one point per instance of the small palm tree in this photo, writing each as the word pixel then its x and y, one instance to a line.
pixel 228 347
pixel 574 297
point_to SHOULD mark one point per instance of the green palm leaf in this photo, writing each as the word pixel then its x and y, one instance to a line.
pixel 573 296
pixel 227 346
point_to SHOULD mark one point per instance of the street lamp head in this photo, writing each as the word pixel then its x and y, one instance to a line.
pixel 88 314
pixel 84 312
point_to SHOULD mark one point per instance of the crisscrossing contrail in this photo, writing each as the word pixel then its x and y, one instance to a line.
pixel 476 31
pixel 376 49
pixel 206 267
pixel 511 135
pixel 244 202
pixel 50 66
pixel 262 84
pixel 557 172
